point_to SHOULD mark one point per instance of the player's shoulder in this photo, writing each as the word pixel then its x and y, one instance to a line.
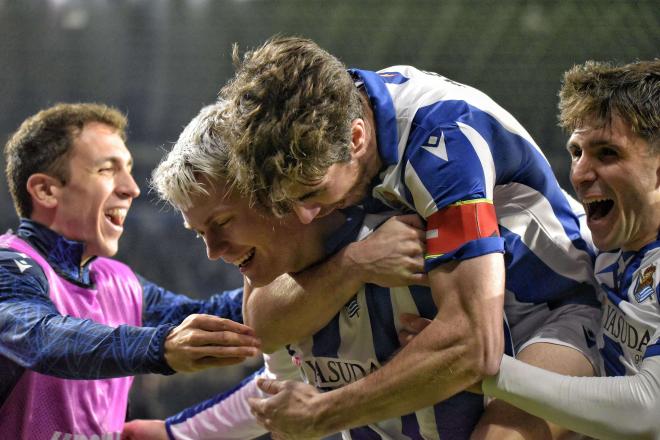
pixel 20 268
pixel 652 254
pixel 649 266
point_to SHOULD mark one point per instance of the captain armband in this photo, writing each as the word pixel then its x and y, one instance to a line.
pixel 459 223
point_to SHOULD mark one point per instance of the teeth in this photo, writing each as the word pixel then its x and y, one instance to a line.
pixel 117 215
pixel 596 199
pixel 243 259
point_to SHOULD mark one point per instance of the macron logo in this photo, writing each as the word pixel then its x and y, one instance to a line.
pixel 589 337
pixel 22 265
pixel 436 146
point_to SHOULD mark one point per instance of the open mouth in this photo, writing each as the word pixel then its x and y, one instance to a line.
pixel 597 209
pixel 116 216
pixel 246 259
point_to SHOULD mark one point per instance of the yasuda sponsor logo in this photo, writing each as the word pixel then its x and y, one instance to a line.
pixel 618 328
pixel 327 372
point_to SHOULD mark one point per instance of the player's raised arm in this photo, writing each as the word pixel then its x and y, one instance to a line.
pixel 391 256
pixel 454 351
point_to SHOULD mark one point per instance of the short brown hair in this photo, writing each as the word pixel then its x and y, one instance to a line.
pixel 289 117
pixel 42 143
pixel 596 91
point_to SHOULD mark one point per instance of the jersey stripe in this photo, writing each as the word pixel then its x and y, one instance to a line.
pixel 455 414
pixel 364 433
pixel 381 316
pixel 410 427
pixel 327 340
pixel 423 301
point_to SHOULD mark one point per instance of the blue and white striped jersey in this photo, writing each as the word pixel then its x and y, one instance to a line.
pixel 451 154
pixel 358 340
pixel 631 308
pixel 361 338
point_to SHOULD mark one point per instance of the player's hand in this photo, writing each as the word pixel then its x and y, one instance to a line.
pixel 289 412
pixel 393 255
pixel 144 430
pixel 411 326
pixel 203 341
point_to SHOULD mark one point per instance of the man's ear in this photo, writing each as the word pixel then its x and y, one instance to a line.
pixel 44 190
pixel 358 137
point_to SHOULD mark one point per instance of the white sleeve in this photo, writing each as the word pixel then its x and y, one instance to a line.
pixel 602 407
pixel 227 416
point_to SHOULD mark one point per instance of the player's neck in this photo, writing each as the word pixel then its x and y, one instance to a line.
pixel 371 158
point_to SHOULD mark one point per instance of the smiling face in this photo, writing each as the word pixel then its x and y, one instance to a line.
pixel 617 178
pixel 261 245
pixel 93 203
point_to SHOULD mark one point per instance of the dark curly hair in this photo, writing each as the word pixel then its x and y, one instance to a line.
pixel 289 118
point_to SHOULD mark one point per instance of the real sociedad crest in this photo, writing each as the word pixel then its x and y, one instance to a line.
pixel 644 286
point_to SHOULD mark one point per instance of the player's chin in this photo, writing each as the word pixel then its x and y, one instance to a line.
pixel 107 248
pixel 259 279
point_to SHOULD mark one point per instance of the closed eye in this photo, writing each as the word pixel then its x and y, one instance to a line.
pixel 309 196
pixel 221 223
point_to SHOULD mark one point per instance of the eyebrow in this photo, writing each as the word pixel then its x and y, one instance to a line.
pixel 595 143
pixel 211 218
pixel 115 161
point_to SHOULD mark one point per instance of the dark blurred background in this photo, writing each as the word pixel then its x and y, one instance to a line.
pixel 160 61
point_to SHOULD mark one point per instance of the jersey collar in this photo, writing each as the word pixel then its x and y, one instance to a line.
pixel 347 232
pixel 383 108
pixel 63 255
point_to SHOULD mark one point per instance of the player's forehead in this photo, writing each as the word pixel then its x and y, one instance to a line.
pixel 218 200
pixel 99 142
pixel 594 134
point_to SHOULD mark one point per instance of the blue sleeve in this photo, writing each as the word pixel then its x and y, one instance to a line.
pixel 35 336
pixel 449 161
pixel 164 307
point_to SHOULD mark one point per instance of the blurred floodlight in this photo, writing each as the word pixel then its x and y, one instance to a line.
pixel 198 3
pixel 534 19
pixel 58 4
pixel 75 19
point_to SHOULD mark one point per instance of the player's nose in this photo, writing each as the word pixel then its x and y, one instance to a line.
pixel 307 212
